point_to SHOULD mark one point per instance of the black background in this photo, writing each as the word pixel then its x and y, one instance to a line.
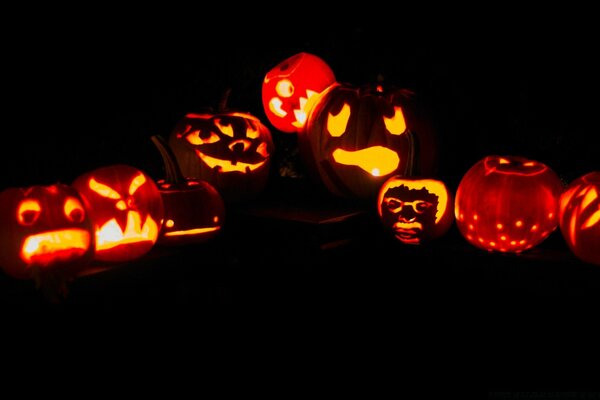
pixel 87 91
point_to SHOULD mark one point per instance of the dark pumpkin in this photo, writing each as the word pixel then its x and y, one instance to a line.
pixel 357 137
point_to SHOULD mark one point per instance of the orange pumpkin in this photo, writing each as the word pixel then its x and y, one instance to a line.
pixel 507 203
pixel 194 211
pixel 44 229
pixel 357 137
pixel 290 87
pixel 230 150
pixel 579 217
pixel 126 210
pixel 415 209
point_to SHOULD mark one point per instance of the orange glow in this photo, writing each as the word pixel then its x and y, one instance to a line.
pixel 592 220
pixel 111 235
pixel 169 223
pixel 74 210
pixel 305 104
pixel 499 226
pixel 431 185
pixel 275 106
pixel 190 232
pixel 136 182
pixel 195 138
pixel 28 212
pixel 228 166
pixel 226 129
pixel 244 142
pixel 377 158
pixel 284 88
pixel 336 124
pixel 519 223
pixel 103 190
pixel 55 246
pixel 396 125
pixel 262 150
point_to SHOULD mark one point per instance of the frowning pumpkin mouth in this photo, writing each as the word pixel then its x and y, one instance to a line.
pixel 59 245
pixel 228 166
pixel 376 160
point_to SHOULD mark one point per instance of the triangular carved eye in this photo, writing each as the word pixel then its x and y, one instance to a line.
pixel 195 138
pixel 336 124
pixel 29 211
pixel 396 125
pixel 226 129
pixel 74 210
pixel 251 131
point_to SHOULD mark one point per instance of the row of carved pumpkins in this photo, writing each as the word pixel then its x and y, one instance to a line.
pixel 112 214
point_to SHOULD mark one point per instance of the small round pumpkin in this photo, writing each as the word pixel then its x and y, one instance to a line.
pixel 126 210
pixel 194 211
pixel 230 150
pixel 579 217
pixel 44 229
pixel 507 203
pixel 415 209
pixel 289 88
pixel 357 137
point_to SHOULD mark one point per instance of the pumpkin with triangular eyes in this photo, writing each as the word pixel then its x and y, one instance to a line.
pixel 579 217
pixel 126 210
pixel 230 150
pixel 357 137
pixel 507 203
pixel 290 87
pixel 44 229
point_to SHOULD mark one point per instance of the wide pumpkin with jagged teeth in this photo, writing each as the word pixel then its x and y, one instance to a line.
pixel 357 137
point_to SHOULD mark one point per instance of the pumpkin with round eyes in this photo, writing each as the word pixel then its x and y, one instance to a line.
pixel 194 210
pixel 290 87
pixel 579 217
pixel 356 138
pixel 507 203
pixel 126 210
pixel 230 150
pixel 44 229
pixel 415 209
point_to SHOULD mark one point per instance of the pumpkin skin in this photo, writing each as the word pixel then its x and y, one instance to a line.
pixel 126 210
pixel 194 211
pixel 230 150
pixel 417 210
pixel 44 228
pixel 579 217
pixel 356 138
pixel 507 203
pixel 289 87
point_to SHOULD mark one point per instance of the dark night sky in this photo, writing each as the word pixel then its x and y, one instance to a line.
pixel 81 95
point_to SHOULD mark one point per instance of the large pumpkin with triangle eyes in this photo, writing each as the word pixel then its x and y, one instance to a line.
pixel 507 203
pixel 290 87
pixel 44 229
pixel 230 150
pixel 579 217
pixel 357 137
pixel 126 210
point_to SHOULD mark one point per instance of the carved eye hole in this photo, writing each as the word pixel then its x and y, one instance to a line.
pixel 74 210
pixel 226 129
pixel 336 124
pixel 251 131
pixel 421 206
pixel 285 88
pixel 396 125
pixel 103 190
pixel 394 205
pixel 197 138
pixel 29 211
pixel 503 161
pixel 529 164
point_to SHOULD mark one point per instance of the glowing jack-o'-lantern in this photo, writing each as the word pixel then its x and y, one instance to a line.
pixel 230 150
pixel 415 209
pixel 356 138
pixel 44 229
pixel 193 209
pixel 126 210
pixel 579 217
pixel 507 203
pixel 289 89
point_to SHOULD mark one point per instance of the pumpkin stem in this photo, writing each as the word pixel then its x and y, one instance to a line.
pixel 224 99
pixel 173 173
pixel 409 171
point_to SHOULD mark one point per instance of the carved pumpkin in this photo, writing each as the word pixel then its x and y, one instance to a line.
pixel 230 150
pixel 356 138
pixel 507 203
pixel 289 88
pixel 126 210
pixel 44 229
pixel 415 209
pixel 579 217
pixel 193 209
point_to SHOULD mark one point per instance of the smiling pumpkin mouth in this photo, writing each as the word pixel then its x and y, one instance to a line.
pixel 228 166
pixel 376 160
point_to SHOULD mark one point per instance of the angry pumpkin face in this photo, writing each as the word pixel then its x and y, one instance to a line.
pixel 231 151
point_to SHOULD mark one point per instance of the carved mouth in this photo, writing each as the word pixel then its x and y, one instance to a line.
pixel 191 232
pixel 111 235
pixel 228 166
pixel 376 160
pixel 60 245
